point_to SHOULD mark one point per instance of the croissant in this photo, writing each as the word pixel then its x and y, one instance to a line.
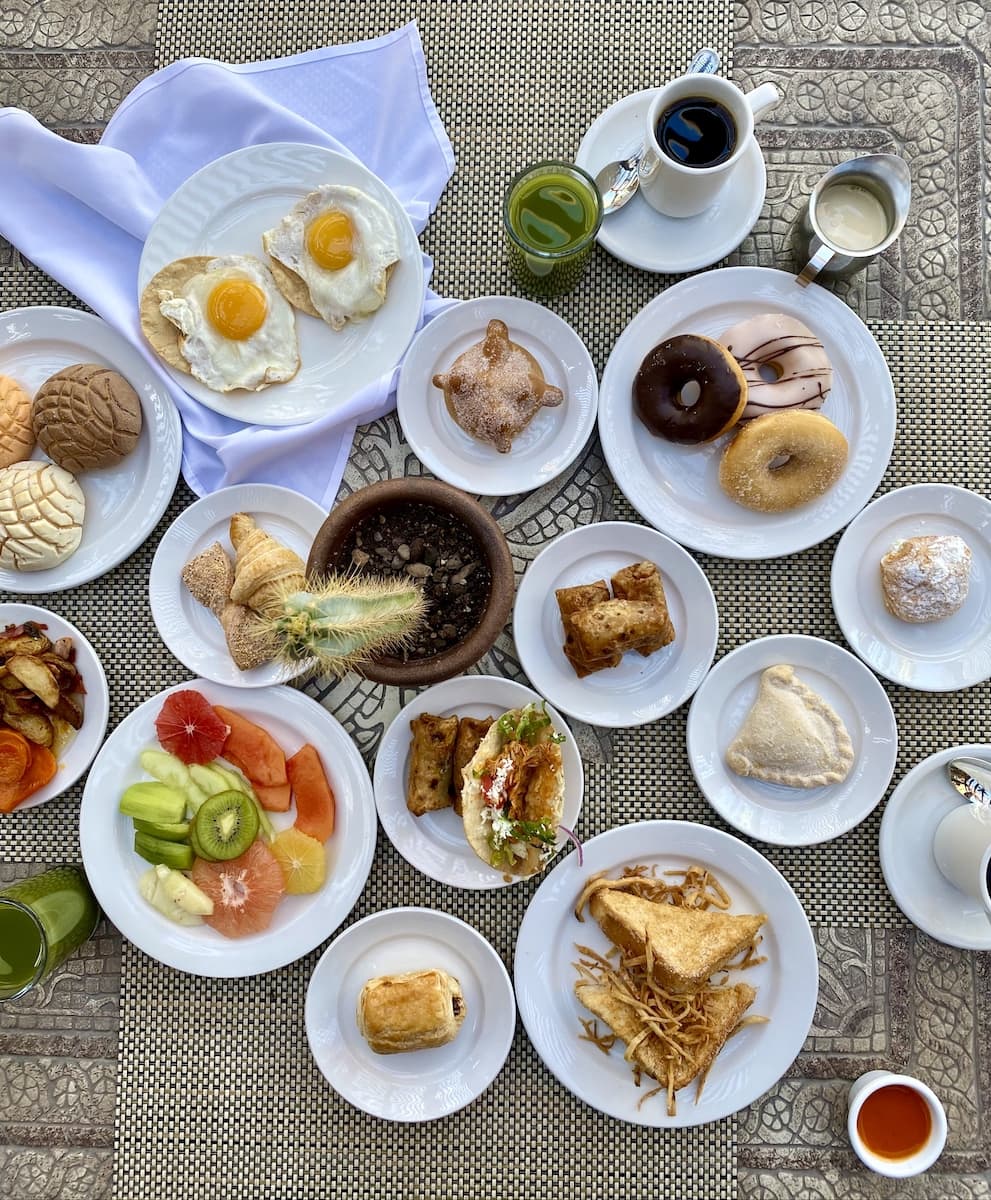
pixel 264 569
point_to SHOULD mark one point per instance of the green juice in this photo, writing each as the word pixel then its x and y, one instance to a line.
pixel 551 214
pixel 42 921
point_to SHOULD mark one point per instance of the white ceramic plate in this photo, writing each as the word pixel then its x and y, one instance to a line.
pixel 676 488
pixel 81 751
pixel 917 805
pixel 787 984
pixel 771 812
pixel 123 502
pixel 300 923
pixel 553 439
pixel 639 689
pixel 938 656
pixel 192 632
pixel 424 1084
pixel 435 843
pixel 645 238
pixel 224 209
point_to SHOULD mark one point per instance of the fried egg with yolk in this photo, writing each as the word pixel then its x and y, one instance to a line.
pixel 340 243
pixel 237 330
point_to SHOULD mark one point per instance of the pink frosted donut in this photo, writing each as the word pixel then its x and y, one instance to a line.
pixel 784 348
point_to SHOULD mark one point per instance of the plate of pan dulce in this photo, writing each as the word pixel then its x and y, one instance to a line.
pixel 745 416
pixel 615 624
pixel 478 782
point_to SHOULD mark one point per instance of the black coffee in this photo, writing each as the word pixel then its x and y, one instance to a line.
pixel 697 132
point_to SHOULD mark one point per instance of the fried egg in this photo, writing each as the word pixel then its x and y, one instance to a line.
pixel 340 243
pixel 238 330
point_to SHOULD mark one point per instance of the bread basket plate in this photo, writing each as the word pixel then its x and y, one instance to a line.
pixel 546 447
pixel 125 501
pixel 769 812
pixel 418 1085
pixel 676 488
pixel 435 842
pixel 95 703
pixel 224 209
pixel 191 631
pixel 934 656
pixel 787 983
pixel 300 923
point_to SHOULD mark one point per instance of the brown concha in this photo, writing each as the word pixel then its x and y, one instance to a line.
pixel 86 416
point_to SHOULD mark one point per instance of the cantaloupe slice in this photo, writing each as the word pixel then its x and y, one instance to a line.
pixel 253 750
pixel 315 805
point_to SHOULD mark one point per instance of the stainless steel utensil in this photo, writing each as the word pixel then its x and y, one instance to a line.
pixel 972 779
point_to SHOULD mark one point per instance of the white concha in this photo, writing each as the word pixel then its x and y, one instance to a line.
pixel 41 516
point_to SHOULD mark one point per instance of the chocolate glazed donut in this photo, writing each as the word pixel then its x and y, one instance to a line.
pixel 664 374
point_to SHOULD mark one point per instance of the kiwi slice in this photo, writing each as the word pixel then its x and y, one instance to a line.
pixel 226 825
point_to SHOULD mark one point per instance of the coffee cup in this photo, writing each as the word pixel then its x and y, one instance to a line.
pixel 699 127
pixel 896 1124
pixel 962 849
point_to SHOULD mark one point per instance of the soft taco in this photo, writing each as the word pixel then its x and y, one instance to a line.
pixel 513 794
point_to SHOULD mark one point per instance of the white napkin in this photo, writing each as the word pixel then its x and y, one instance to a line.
pixel 82 212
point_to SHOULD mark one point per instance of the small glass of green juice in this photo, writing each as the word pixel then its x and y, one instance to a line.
pixel 551 213
pixel 43 919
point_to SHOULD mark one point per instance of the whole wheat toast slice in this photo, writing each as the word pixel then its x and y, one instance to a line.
pixel 684 946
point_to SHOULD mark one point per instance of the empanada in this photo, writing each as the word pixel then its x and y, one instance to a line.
pixel 642 581
pixel 415 1011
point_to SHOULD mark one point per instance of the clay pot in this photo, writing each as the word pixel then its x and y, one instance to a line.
pixel 388 493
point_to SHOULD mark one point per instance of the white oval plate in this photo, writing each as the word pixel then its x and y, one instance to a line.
pixel 435 843
pixel 553 439
pixel 787 984
pixel 938 656
pixel 81 751
pixel 190 630
pixel 643 237
pixel 123 502
pixel 224 209
pixel 676 488
pixel 770 812
pixel 639 689
pixel 917 805
pixel 424 1084
pixel 300 923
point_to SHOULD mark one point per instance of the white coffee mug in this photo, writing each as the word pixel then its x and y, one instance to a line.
pixel 682 191
pixel 913 1164
pixel 962 849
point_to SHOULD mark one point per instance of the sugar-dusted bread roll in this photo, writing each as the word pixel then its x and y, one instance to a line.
pixel 415 1011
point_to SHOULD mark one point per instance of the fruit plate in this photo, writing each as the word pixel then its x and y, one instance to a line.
pixel 300 922
pixel 787 983
pixel 435 843
pixel 424 1084
pixel 79 753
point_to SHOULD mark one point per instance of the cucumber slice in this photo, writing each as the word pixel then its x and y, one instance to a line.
pixel 177 855
pixel 154 802
pixel 168 833
pixel 166 768
pixel 209 780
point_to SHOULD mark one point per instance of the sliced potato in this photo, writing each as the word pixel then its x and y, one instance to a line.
pixel 35 727
pixel 34 673
pixel 68 710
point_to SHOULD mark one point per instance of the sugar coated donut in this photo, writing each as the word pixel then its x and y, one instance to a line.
pixel 671 408
pixel 783 362
pixel 782 460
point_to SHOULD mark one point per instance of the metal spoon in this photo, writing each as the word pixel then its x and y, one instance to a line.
pixel 617 181
pixel 972 778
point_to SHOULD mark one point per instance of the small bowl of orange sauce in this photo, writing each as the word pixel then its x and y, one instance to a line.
pixel 896 1123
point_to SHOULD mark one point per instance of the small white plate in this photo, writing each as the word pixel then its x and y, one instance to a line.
pixel 81 751
pixel 645 238
pixel 770 812
pixel 787 984
pixel 435 843
pixel 423 1084
pixel 639 689
pixel 192 632
pixel 123 502
pixel 224 209
pixel 676 488
pixel 300 923
pixel 917 805
pixel 938 656
pixel 553 439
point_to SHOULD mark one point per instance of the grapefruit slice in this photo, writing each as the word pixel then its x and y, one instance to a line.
pixel 245 891
pixel 188 727
pixel 302 859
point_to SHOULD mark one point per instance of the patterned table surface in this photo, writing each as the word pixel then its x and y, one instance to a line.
pixel 76 1060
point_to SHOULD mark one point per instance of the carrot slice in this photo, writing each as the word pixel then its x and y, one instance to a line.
pixel 41 770
pixel 316 807
pixel 253 749
pixel 15 755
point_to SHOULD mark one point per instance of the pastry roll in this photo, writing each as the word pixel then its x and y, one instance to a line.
pixel 642 581
pixel 431 762
pixel 471 730
pixel 570 601
pixel 415 1011
pixel 615 626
